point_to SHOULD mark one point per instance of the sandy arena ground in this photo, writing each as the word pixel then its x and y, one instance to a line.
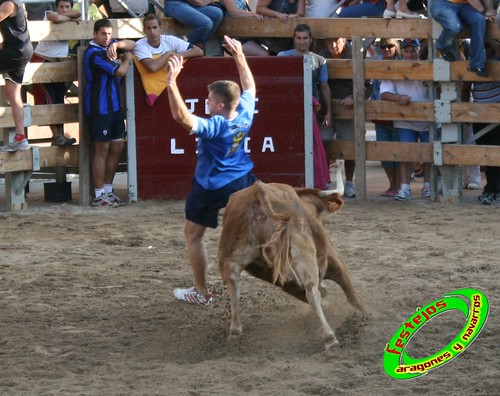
pixel 86 305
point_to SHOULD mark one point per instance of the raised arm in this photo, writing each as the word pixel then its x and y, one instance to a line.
pixel 246 77
pixel 178 108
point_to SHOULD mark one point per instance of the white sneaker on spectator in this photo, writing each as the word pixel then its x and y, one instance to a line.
pixel 14 146
pixel 426 193
pixel 350 191
pixel 403 195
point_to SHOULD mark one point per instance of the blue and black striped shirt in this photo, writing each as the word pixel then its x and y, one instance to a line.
pixel 102 89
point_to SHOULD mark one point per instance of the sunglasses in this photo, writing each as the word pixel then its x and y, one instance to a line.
pixel 388 46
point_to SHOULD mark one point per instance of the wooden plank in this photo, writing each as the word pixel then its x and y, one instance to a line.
pixel 359 116
pixel 386 151
pixel 475 112
pixel 42 115
pixel 385 110
pixel 251 27
pixel 49 157
pixel 48 72
pixel 453 154
pixel 461 154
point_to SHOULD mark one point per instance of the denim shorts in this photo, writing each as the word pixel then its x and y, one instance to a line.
pixel 411 136
pixel 202 206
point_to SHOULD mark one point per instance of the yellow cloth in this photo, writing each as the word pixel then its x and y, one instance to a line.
pixel 154 83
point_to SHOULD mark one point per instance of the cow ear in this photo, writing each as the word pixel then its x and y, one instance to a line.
pixel 335 202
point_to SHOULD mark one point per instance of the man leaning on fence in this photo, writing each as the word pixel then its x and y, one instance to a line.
pixel 103 106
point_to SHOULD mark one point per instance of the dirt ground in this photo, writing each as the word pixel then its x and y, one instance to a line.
pixel 86 305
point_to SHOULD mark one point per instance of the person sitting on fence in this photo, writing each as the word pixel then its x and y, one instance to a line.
pixel 321 8
pixel 15 53
pixel 103 106
pixel 358 9
pixel 55 51
pixel 204 16
pixel 302 39
pixel 403 12
pixel 283 10
pixel 403 92
pixel 384 129
pixel 452 16
pixel 133 8
pixel 240 8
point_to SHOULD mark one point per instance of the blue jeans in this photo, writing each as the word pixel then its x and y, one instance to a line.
pixel 204 20
pixel 366 9
pixel 452 17
pixel 387 133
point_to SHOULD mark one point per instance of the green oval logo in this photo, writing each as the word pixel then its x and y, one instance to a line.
pixel 397 363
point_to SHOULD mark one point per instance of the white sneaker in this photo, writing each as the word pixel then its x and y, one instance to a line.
pixel 192 296
pixel 349 192
pixel 426 193
pixel 14 146
pixel 403 195
pixel 473 186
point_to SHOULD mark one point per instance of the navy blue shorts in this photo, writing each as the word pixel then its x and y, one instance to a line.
pixel 107 127
pixel 202 206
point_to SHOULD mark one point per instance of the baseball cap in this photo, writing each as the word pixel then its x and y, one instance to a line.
pixel 410 42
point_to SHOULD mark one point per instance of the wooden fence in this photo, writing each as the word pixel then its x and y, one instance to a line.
pixel 447 154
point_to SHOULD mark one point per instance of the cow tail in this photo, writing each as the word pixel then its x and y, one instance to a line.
pixel 280 245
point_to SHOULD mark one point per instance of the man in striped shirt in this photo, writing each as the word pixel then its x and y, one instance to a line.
pixel 103 71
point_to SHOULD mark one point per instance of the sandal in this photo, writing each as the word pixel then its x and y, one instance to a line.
pixel 62 140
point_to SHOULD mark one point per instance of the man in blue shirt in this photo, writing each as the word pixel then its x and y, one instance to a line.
pixel 223 166
pixel 103 107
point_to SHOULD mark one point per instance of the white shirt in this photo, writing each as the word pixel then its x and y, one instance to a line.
pixel 167 43
pixel 52 49
pixel 417 91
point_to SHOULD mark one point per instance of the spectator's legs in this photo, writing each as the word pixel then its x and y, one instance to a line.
pixel 366 9
pixel 203 20
pixel 477 24
pixel 115 150
pixel 13 95
pixel 446 14
pixel 105 162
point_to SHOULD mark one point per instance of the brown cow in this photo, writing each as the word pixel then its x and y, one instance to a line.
pixel 276 233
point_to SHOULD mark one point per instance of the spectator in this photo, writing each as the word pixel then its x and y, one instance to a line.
pixel 384 130
pixel 204 17
pixel 154 50
pixel 223 166
pixel 489 92
pixel 403 92
pixel 284 10
pixel 103 106
pixel 36 11
pixel 452 16
pixel 138 7
pixel 340 48
pixel 240 8
pixel 55 51
pixel 321 8
pixel 302 39
pixel 403 12
pixel 358 9
pixel 15 53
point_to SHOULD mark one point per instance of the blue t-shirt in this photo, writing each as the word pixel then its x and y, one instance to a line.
pixel 102 89
pixel 221 155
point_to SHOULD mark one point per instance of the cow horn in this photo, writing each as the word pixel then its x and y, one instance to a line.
pixel 338 178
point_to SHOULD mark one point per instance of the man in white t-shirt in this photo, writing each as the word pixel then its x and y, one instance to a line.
pixel 155 49
pixel 403 92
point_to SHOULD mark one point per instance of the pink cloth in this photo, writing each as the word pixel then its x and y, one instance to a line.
pixel 320 160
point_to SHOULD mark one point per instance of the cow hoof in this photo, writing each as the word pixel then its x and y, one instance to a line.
pixel 233 338
pixel 331 344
